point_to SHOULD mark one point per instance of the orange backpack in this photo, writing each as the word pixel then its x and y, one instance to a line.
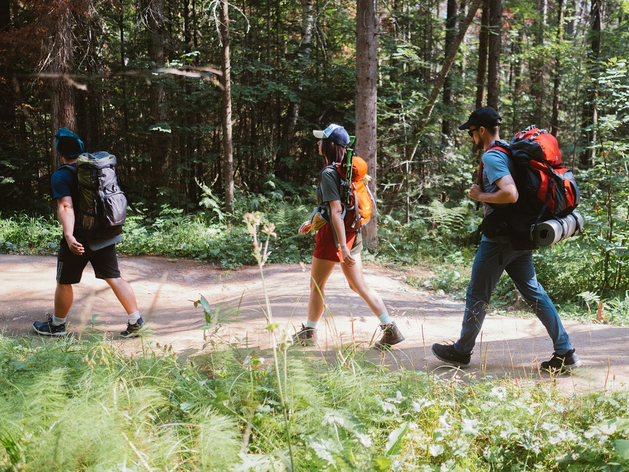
pixel 355 190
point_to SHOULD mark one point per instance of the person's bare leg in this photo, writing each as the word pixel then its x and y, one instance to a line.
pixel 123 291
pixel 356 281
pixel 64 296
pixel 319 274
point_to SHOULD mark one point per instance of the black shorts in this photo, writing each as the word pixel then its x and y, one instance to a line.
pixel 70 266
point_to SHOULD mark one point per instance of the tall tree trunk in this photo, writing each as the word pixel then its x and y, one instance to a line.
pixel 495 48
pixel 228 160
pixel 61 53
pixel 483 46
pixel 554 124
pixel 366 97
pixel 590 112
pixel 448 92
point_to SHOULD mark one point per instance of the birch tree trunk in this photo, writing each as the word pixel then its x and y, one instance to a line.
pixel 228 158
pixel 366 97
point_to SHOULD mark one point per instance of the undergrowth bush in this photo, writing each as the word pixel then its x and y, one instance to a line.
pixel 82 404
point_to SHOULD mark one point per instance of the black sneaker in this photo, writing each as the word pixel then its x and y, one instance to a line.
pixel 390 335
pixel 562 364
pixel 446 353
pixel 306 336
pixel 133 330
pixel 46 328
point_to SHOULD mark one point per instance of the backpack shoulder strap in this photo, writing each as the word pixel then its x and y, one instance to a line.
pixel 70 167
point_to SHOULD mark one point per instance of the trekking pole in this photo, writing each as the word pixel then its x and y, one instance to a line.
pixel 349 168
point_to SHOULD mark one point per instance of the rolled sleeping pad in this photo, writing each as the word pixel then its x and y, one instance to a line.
pixel 554 230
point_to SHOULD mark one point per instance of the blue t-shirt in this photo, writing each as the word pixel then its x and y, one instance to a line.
pixel 496 165
pixel 64 184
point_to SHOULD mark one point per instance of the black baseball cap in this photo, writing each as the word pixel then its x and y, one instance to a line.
pixel 486 116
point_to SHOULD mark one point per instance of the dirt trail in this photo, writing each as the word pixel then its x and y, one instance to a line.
pixel 166 290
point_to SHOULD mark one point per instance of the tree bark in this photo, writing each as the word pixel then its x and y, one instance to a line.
pixel 366 97
pixel 228 158
pixel 483 46
pixel 495 49
pixel 60 47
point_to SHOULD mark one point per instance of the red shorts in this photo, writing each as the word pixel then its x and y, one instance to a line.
pixel 324 244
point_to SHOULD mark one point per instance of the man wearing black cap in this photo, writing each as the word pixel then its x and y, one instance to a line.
pixel 76 249
pixel 495 189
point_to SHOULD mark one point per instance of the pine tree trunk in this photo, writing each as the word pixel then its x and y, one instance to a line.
pixel 228 158
pixel 366 96
pixel 62 99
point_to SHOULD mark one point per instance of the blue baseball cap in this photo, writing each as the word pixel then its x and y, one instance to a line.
pixel 335 133
pixel 68 144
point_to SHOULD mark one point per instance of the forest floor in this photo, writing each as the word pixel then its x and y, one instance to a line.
pixel 166 289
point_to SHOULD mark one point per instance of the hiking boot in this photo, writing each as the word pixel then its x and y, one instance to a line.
pixel 390 335
pixel 562 364
pixel 46 328
pixel 306 336
pixel 446 353
pixel 133 330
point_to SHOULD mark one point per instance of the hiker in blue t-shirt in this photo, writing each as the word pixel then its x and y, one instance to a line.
pixel 77 248
pixel 497 189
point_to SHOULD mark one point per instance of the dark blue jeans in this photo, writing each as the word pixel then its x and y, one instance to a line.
pixel 492 259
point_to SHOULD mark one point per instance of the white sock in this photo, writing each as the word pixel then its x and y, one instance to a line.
pixel 385 318
pixel 134 317
pixel 312 324
pixel 57 321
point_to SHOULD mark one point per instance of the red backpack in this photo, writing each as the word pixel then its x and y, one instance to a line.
pixel 542 181
pixel 546 189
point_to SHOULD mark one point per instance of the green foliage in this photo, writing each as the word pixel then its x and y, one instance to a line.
pixel 222 411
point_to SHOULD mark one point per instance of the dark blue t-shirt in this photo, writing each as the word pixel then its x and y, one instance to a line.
pixel 64 184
